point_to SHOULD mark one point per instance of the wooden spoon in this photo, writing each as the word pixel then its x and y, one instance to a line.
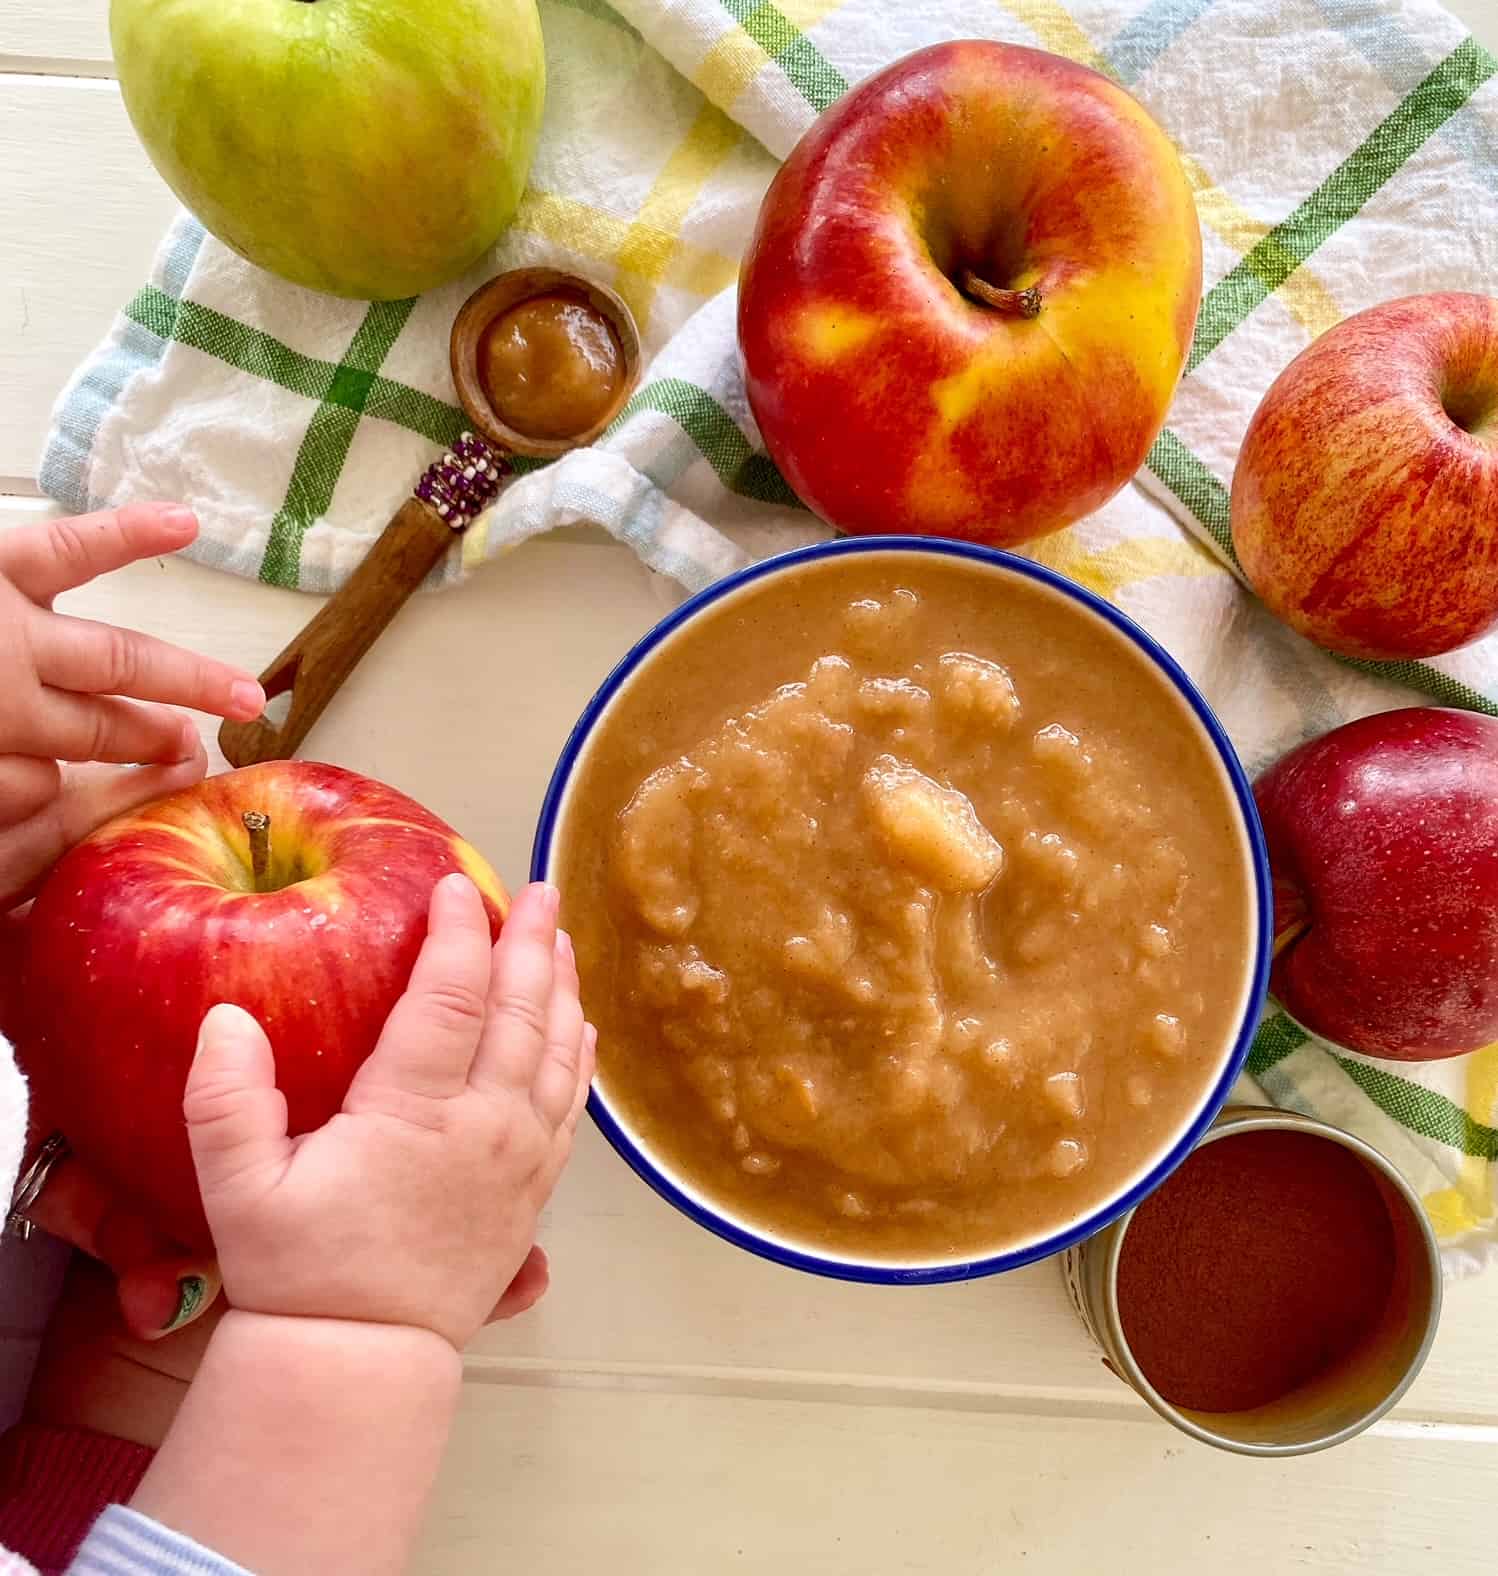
pixel 451 493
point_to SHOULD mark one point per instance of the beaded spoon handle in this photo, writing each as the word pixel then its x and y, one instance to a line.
pixel 450 493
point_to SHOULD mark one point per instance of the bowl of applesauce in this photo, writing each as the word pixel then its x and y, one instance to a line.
pixel 921 905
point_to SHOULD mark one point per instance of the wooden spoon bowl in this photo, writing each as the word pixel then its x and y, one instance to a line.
pixel 447 498
pixel 489 303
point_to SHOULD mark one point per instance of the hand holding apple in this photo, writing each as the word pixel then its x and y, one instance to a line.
pixel 969 296
pixel 1365 498
pixel 417 1206
pixel 78 689
pixel 161 914
pixel 1383 846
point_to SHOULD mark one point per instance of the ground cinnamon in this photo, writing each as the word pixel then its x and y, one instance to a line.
pixel 1261 1262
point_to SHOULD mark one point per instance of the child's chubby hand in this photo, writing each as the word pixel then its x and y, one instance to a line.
pixel 72 691
pixel 77 701
pixel 417 1204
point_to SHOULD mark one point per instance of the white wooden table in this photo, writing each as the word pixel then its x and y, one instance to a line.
pixel 675 1406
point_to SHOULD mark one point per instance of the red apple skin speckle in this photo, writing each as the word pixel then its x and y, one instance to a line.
pixel 1383 845
pixel 151 921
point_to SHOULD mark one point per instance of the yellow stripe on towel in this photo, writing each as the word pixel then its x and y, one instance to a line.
pixel 737 58
pixel 1108 570
pixel 653 240
pixel 601 236
pixel 1471 1203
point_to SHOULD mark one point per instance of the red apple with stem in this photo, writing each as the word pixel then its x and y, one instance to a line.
pixel 1365 497
pixel 294 890
pixel 969 296
pixel 1383 846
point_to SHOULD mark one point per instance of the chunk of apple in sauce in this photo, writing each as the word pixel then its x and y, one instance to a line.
pixel 930 828
pixel 978 690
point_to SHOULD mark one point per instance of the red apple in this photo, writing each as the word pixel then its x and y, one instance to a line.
pixel 969 296
pixel 156 917
pixel 1365 499
pixel 1383 845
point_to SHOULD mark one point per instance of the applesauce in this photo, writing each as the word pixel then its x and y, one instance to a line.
pixel 911 903
pixel 551 366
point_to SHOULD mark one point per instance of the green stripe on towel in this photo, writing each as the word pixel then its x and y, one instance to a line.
pixel 1266 266
pixel 1422 1110
pixel 717 435
pixel 1196 487
pixel 1190 479
pixel 325 443
pixel 226 339
pixel 1277 1038
pixel 817 80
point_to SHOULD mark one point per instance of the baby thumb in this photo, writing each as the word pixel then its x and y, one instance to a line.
pixel 236 1117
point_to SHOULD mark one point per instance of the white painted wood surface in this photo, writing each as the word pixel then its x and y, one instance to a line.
pixel 68 37
pixel 675 1406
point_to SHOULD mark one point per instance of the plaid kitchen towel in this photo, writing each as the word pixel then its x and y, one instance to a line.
pixel 1342 152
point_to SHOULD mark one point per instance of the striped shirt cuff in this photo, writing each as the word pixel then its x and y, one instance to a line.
pixel 125 1543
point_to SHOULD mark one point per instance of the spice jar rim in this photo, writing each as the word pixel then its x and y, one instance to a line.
pixel 1235 1121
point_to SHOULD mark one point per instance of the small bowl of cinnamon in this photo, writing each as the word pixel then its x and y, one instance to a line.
pixel 1276 1295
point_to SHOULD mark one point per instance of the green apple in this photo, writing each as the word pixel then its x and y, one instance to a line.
pixel 370 148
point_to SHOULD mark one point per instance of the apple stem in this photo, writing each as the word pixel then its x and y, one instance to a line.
pixel 257 824
pixel 1022 303
pixel 1288 936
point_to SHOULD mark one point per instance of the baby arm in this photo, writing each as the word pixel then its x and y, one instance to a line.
pixel 360 1259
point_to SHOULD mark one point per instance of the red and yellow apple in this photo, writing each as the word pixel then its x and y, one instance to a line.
pixel 1365 498
pixel 1383 847
pixel 969 296
pixel 161 914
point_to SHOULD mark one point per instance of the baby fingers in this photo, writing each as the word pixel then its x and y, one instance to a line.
pixel 27 784
pixel 43 561
pixel 97 659
pixel 69 727
pixel 88 797
pixel 428 1045
pixel 520 995
pixel 555 1090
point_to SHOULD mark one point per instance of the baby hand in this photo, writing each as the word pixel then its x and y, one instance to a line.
pixel 71 689
pixel 417 1204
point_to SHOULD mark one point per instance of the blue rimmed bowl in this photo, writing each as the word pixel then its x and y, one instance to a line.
pixel 781 1248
